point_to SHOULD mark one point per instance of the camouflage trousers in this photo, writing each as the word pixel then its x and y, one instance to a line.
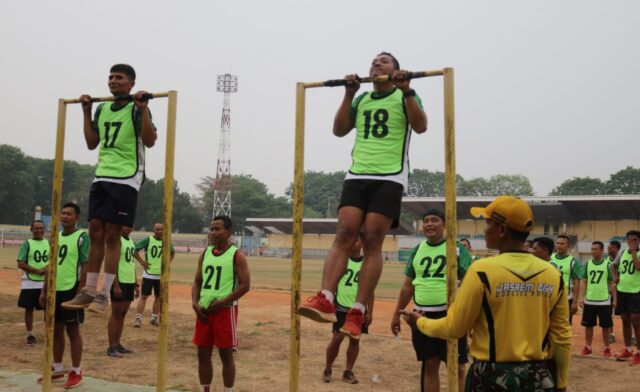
pixel 532 376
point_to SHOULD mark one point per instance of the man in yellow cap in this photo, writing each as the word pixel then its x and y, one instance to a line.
pixel 516 305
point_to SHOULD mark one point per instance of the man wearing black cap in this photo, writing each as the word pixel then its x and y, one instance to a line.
pixel 426 281
pixel 516 305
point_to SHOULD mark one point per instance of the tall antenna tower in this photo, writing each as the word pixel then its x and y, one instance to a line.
pixel 227 84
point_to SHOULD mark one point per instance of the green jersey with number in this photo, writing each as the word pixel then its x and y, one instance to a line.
pixel 597 276
pixel 119 142
pixel 73 249
pixel 569 268
pixel 629 275
pixel 153 254
pixel 218 275
pixel 127 266
pixel 427 266
pixel 37 257
pixel 382 133
pixel 348 285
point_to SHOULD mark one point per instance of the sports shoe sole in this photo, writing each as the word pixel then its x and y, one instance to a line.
pixel 317 315
pixel 74 386
pixel 348 333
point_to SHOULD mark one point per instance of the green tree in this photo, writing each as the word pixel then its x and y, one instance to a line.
pixel 580 186
pixel 475 187
pixel 16 186
pixel 516 184
pixel 321 193
pixel 624 182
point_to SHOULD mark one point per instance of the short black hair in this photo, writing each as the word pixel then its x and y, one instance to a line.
pixel 396 64
pixel 36 221
pixel 73 205
pixel 465 240
pixel 635 233
pixel 518 235
pixel 545 242
pixel 566 237
pixel 616 244
pixel 125 69
pixel 599 243
pixel 225 220
pixel 435 212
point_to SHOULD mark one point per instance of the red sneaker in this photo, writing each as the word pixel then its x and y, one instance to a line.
pixel 607 352
pixel 73 380
pixel 353 324
pixel 636 359
pixel 318 309
pixel 586 350
pixel 624 354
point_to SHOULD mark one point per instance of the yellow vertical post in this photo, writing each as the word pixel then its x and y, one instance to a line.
pixel 451 218
pixel 56 202
pixel 167 218
pixel 296 259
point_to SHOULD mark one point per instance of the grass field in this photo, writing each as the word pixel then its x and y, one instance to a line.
pixel 264 330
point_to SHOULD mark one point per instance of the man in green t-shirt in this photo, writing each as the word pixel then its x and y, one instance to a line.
pixel 121 130
pixel 598 298
pixel 571 270
pixel 426 282
pixel 33 257
pixel 373 187
pixel 345 296
pixel 73 253
pixel 627 268
pixel 152 264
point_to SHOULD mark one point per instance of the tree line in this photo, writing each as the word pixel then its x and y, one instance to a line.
pixel 26 182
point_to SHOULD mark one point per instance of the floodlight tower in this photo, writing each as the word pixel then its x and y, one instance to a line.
pixel 227 84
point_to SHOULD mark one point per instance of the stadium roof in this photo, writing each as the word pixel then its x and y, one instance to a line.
pixel 548 208
pixel 309 226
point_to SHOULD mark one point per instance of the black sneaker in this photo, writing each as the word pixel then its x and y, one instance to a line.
pixel 349 377
pixel 113 352
pixel 326 375
pixel 123 350
pixel 31 340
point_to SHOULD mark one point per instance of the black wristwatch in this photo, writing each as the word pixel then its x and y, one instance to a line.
pixel 409 93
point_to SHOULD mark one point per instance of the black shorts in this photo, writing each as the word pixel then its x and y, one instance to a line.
pixel 383 197
pixel 113 203
pixel 342 316
pixel 128 291
pixel 592 313
pixel 148 284
pixel 30 299
pixel 67 316
pixel 427 347
pixel 628 303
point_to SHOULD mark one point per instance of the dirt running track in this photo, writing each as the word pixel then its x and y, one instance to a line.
pixel 267 313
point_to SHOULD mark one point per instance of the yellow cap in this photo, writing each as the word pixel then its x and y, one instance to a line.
pixel 511 211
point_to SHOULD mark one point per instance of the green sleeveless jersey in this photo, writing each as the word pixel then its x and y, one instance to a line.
pixel 70 254
pixel 348 285
pixel 629 275
pixel 382 134
pixel 38 257
pixel 430 282
pixel 566 265
pixel 153 254
pixel 218 275
pixel 127 267
pixel 118 156
pixel 597 276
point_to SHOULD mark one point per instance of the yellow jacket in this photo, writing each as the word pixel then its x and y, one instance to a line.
pixel 516 305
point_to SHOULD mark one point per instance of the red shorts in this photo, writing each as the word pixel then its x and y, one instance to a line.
pixel 219 331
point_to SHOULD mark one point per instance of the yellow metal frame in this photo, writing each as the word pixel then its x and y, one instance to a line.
pixel 298 208
pixel 167 208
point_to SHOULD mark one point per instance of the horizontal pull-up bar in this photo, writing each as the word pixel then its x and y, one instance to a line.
pixel 119 98
pixel 382 78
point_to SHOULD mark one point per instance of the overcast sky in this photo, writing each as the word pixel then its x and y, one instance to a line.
pixel 544 89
